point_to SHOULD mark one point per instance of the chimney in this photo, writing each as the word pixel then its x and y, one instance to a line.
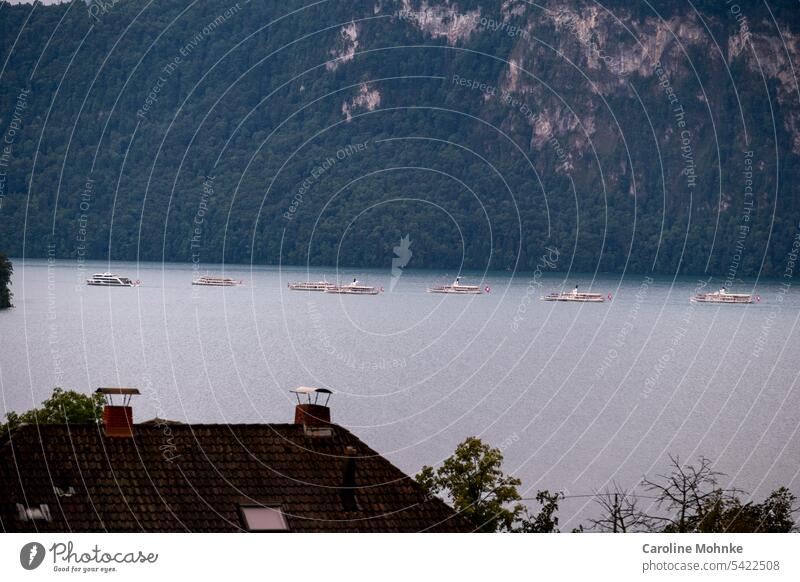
pixel 348 490
pixel 118 420
pixel 309 411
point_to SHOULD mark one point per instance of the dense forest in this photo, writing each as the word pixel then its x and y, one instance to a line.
pixel 6 269
pixel 640 137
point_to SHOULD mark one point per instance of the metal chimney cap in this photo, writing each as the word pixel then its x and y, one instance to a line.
pixel 124 391
pixel 309 390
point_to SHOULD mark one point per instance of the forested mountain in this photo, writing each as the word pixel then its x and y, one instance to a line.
pixel 642 136
pixel 6 269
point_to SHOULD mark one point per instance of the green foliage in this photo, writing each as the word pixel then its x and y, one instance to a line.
pixel 63 407
pixel 725 515
pixel 688 497
pixel 6 269
pixel 252 104
pixel 472 480
pixel 546 520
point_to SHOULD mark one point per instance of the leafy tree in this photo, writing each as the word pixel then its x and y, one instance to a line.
pixel 773 515
pixel 473 482
pixel 776 512
pixel 63 407
pixel 546 521
pixel 6 269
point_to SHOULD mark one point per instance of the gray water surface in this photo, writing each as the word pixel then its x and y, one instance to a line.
pixel 576 395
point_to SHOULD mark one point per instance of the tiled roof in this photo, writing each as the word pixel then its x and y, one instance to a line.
pixel 176 478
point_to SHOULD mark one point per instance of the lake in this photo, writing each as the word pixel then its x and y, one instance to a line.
pixel 576 395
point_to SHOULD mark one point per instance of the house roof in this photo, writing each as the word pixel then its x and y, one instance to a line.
pixel 181 477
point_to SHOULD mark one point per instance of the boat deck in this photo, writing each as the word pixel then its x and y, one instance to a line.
pixel 308 286
pixel 575 297
pixel 456 289
pixel 723 298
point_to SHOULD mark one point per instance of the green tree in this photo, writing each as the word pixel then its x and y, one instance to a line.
pixel 6 269
pixel 473 481
pixel 546 521
pixel 773 515
pixel 63 407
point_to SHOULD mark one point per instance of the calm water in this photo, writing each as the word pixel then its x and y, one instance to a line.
pixel 577 395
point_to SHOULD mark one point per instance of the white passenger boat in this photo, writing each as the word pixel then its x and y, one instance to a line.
pixel 353 289
pixel 310 286
pixel 722 296
pixel 575 296
pixel 216 281
pixel 110 280
pixel 456 288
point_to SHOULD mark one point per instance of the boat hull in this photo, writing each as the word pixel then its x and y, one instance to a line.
pixel 216 282
pixel 575 297
pixel 456 290
pixel 110 280
pixel 353 290
pixel 109 284
pixel 736 299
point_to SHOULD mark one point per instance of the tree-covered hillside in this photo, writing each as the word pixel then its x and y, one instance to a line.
pixel 661 137
pixel 6 269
